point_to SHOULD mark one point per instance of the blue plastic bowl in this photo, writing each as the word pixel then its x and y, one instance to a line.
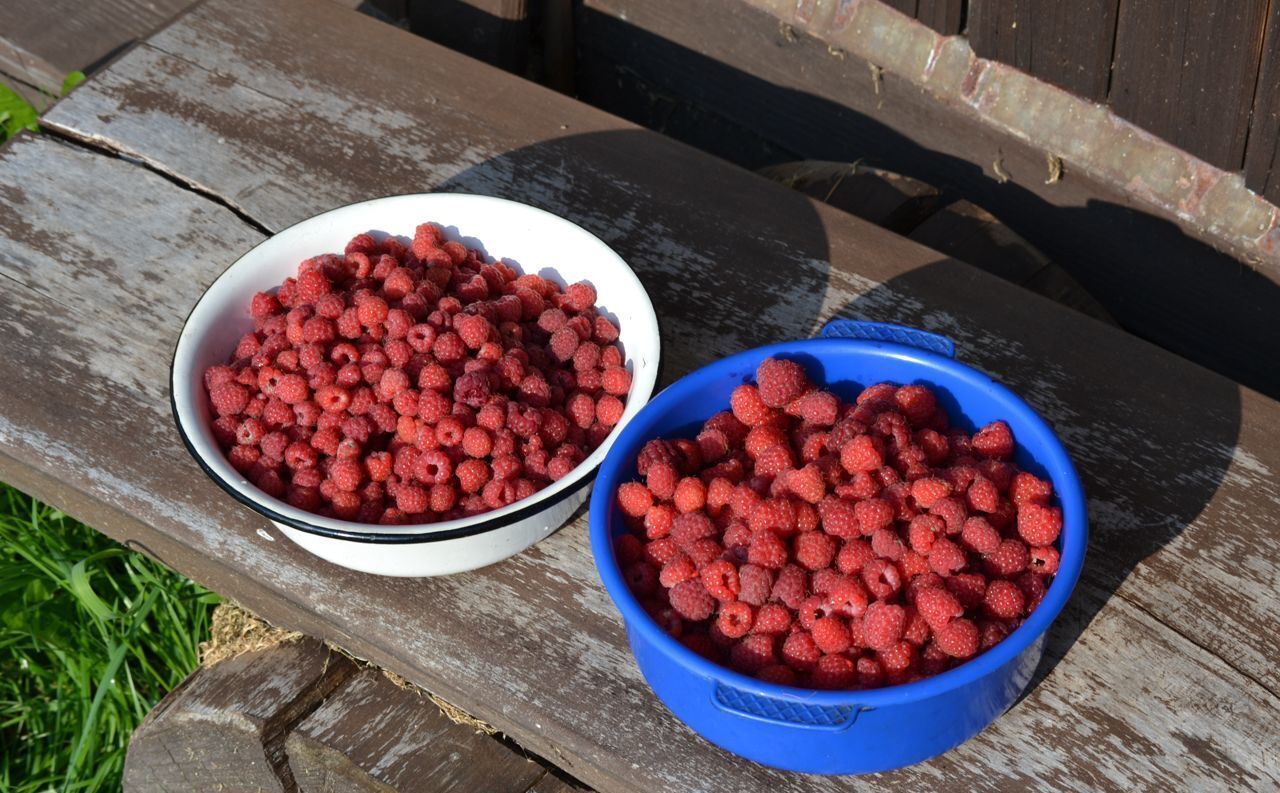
pixel 841 732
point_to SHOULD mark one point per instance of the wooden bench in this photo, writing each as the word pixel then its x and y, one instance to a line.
pixel 240 118
pixel 299 716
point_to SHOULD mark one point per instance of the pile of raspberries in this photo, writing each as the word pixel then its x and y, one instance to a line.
pixel 407 384
pixel 814 543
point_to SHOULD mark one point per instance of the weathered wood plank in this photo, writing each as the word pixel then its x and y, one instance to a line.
pixel 224 727
pixel 374 736
pixel 42 40
pixel 544 609
pixel 746 86
pixel 1067 43
pixel 1262 155
pixel 1186 71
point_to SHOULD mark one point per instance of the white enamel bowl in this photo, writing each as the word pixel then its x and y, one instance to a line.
pixel 530 239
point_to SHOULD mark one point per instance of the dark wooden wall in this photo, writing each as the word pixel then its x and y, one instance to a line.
pixel 1202 74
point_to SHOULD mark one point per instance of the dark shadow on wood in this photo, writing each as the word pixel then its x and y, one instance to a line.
pixel 1156 281
pixel 1151 453
pixel 494 31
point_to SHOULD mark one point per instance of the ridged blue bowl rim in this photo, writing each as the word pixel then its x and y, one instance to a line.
pixel 1070 495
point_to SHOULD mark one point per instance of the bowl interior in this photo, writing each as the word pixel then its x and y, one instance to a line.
pixel 971 400
pixel 529 239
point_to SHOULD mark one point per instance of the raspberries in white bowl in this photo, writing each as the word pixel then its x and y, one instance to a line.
pixel 408 398
pixel 410 384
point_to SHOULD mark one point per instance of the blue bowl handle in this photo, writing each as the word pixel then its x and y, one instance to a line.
pixel 884 331
pixel 784 712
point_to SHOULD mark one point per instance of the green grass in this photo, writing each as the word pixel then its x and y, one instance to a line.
pixel 91 636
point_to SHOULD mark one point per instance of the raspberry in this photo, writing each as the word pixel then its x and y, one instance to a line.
pixel 815 550
pixel 1039 525
pixel 810 610
pixel 938 606
pixel 833 672
pixel 897 659
pixel 912 564
pixel 853 556
pixel 823 581
pixel 917 631
pixel 994 441
pixel 634 499
pixel 873 514
pixel 312 286
pixel 959 639
pixel 346 475
pixel 800 652
pixel 756 584
pixel 929 490
pixel 772 618
pixel 1027 488
pixel 915 402
pixel 980 536
pixel 991 634
pixel 1009 559
pixel 839 517
pixel 790 586
pixel 659 520
pixel 819 408
pixel 952 513
pixel 946 558
pixel 748 407
pixel 658 553
pixel 1044 559
pixel 923 531
pixel 229 399
pixel 690 495
pixel 604 331
pixel 412 498
pixel 580 297
pixel 881 578
pixel 1004 600
pixel 735 619
pixel 806 483
pixel 775 515
pixel 887 544
pixel 830 634
pixel 472 475
pixel 753 653
pixel 1000 473
pixel 662 478
pixel 764 437
pixel 1033 586
pixel 847 598
pixel 982 495
pixel 691 527
pixel 720 578
pixel 616 380
pixel 775 460
pixel 969 588
pixel 781 381
pixel 767 550
pixel 609 410
pixel 861 454
pixel 883 625
pixel 681 568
